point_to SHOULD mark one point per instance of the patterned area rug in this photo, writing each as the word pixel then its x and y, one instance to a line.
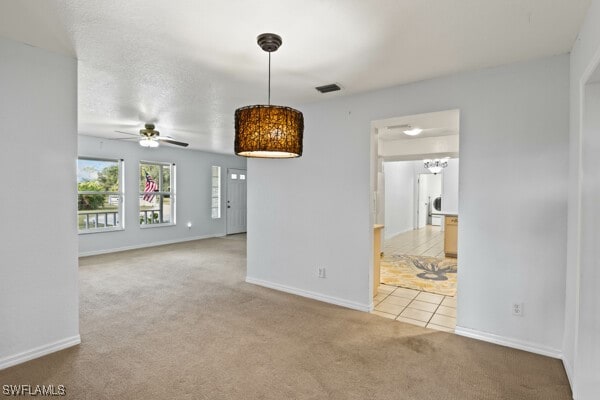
pixel 430 274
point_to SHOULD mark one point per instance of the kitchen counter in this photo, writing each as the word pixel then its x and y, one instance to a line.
pixel 445 213
pixel 451 235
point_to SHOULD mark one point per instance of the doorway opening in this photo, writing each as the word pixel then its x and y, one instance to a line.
pixel 416 210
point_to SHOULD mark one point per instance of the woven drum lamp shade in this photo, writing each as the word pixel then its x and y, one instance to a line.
pixel 268 132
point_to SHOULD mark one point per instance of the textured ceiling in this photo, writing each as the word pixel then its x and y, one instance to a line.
pixel 188 64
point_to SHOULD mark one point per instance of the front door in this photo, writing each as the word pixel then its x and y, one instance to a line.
pixel 236 201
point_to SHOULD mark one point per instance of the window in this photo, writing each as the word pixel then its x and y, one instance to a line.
pixel 99 195
pixel 216 192
pixel 157 194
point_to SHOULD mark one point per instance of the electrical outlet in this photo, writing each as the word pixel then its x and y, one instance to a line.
pixel 517 309
pixel 322 272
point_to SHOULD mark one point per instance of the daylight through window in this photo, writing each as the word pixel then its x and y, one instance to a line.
pixel 216 192
pixel 99 195
pixel 157 194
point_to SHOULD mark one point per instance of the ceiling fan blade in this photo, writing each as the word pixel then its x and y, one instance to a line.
pixel 128 133
pixel 123 138
pixel 175 142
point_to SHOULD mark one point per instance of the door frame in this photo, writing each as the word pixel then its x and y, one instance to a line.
pixel 377 158
pixel 227 197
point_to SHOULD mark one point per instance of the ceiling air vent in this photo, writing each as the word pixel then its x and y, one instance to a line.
pixel 328 88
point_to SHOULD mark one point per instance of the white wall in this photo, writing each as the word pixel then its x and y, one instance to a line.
pixel 399 197
pixel 193 194
pixel 38 264
pixel 429 147
pixel 587 362
pixel 582 322
pixel 316 210
pixel 450 186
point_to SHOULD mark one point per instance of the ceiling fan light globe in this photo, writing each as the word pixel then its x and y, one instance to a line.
pixel 147 142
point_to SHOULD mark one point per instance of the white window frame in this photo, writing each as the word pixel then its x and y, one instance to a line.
pixel 215 209
pixel 120 194
pixel 171 194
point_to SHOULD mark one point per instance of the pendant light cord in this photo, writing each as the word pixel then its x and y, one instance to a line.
pixel 269 99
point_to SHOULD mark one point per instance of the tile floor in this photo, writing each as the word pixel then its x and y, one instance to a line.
pixel 416 307
pixel 427 241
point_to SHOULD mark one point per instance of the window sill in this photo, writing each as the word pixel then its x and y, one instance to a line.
pixel 149 226
pixel 100 230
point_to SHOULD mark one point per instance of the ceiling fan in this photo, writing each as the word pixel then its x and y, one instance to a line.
pixel 150 137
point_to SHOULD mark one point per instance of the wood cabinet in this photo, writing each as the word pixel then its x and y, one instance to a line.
pixel 451 236
pixel 376 256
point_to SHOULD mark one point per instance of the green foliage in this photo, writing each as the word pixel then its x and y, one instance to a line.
pixel 109 178
pixel 90 201
pixel 152 219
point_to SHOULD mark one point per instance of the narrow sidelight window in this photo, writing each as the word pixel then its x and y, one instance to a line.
pixel 216 192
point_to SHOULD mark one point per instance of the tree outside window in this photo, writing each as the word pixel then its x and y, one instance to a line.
pixel 99 195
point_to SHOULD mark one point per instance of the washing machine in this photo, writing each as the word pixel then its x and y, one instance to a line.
pixel 436 220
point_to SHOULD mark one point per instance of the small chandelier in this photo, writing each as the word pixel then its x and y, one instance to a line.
pixel 436 166
pixel 268 131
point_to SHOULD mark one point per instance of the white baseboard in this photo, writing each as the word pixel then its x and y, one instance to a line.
pixel 144 245
pixel 569 372
pixel 39 351
pixel 311 295
pixel 509 342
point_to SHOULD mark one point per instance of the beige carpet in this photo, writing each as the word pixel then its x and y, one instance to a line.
pixel 178 322
pixel 430 274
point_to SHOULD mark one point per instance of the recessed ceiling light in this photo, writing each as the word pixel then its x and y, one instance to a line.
pixel 413 131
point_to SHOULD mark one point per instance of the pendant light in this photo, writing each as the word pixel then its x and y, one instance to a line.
pixel 268 131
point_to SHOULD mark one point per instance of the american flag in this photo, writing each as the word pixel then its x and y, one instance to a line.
pixel 150 187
